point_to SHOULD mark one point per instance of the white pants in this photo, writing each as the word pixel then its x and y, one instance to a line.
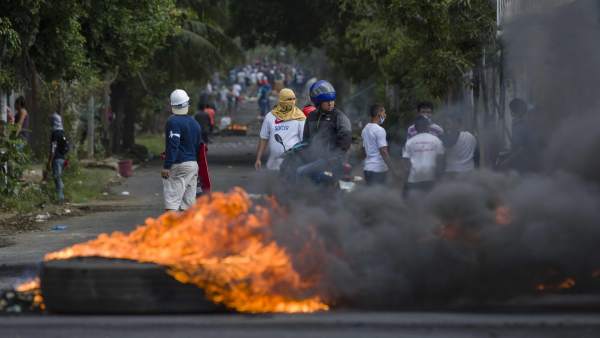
pixel 179 189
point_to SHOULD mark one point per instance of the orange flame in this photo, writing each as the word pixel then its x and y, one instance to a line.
pixel 33 286
pixel 566 284
pixel 28 286
pixel 223 245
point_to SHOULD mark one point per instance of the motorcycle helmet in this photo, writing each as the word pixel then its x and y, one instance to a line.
pixel 321 91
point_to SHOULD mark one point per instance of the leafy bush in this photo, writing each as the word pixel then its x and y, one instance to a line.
pixel 13 161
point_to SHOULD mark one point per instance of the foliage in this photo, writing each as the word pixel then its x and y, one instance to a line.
pixel 427 44
pixel 423 46
pixel 198 48
pixel 15 158
pixel 277 22
pixel 86 184
pixel 124 35
pixel 155 143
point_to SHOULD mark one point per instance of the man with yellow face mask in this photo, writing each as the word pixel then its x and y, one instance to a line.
pixel 285 119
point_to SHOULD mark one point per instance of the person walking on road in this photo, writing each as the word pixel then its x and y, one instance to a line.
pixel 183 137
pixel 263 97
pixel 285 119
pixel 377 161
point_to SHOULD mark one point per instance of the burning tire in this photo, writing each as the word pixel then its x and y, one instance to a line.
pixel 100 285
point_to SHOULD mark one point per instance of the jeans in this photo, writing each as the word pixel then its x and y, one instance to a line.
pixel 264 106
pixel 57 171
pixel 373 177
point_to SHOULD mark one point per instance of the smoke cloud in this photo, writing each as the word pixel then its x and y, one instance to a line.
pixel 374 249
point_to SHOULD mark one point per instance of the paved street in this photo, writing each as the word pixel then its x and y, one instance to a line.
pixel 340 324
pixel 20 260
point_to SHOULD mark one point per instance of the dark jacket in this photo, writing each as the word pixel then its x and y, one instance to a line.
pixel 183 138
pixel 328 131
pixel 203 120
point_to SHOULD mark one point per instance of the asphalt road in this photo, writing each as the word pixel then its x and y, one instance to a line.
pixel 340 324
pixel 230 161
pixel 19 261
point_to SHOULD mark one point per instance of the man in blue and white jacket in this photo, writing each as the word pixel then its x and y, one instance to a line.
pixel 182 141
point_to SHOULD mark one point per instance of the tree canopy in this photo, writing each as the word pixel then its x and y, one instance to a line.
pixel 425 46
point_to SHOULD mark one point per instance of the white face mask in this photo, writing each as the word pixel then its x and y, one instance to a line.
pixel 180 111
pixel 381 119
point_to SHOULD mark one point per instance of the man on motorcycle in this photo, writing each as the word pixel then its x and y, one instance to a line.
pixel 328 130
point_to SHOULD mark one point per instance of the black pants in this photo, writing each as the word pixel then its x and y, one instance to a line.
pixel 373 177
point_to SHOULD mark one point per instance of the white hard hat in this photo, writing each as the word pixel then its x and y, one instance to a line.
pixel 179 98
pixel 180 101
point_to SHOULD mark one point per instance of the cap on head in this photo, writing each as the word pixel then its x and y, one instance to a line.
pixel 180 102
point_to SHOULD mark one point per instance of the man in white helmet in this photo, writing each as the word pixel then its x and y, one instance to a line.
pixel 182 143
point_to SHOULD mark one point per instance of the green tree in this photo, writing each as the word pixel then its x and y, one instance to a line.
pixel 424 47
pixel 121 39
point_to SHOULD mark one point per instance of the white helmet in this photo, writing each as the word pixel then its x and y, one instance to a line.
pixel 180 102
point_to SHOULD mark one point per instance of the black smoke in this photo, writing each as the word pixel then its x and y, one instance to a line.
pixel 375 249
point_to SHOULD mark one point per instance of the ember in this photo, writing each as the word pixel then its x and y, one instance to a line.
pixel 25 296
pixel 568 283
pixel 223 245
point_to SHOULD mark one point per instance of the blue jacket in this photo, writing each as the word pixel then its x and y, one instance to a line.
pixel 182 140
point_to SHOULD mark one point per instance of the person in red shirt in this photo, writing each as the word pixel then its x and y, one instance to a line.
pixel 309 108
pixel 210 110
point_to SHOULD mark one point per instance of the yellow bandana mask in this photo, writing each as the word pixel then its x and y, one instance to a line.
pixel 286 106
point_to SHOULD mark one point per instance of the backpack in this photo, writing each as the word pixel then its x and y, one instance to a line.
pixel 63 146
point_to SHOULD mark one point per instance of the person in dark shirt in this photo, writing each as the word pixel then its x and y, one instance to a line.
pixel 183 137
pixel 327 130
pixel 203 119
pixel 59 148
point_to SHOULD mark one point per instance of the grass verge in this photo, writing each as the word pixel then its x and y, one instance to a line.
pixel 81 185
pixel 155 143
pixel 87 184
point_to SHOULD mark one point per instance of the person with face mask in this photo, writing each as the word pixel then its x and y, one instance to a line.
pixel 285 120
pixel 377 161
pixel 182 142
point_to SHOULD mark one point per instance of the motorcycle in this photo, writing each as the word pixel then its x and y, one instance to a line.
pixel 296 156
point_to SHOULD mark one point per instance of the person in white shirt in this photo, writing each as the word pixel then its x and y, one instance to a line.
pixel 285 119
pixel 236 92
pixel 377 161
pixel 424 157
pixel 462 154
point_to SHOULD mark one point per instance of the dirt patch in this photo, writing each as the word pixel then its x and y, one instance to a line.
pixel 19 223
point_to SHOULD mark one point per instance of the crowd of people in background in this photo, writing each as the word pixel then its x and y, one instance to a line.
pixel 433 150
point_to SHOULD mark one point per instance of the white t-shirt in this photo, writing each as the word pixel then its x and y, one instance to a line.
pixel 291 133
pixel 373 137
pixel 422 151
pixel 459 157
pixel 236 89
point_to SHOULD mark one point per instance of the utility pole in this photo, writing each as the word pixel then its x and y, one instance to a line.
pixel 91 127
